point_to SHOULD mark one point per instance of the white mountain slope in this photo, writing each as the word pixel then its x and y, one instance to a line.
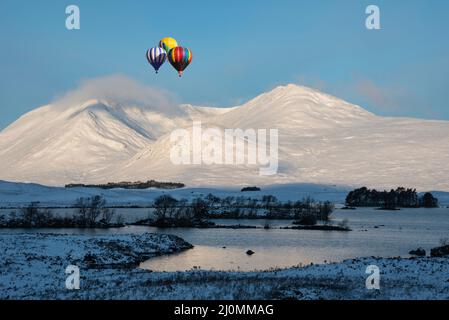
pixel 322 139
pixel 53 144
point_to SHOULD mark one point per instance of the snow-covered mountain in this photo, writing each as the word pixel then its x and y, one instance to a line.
pixel 322 139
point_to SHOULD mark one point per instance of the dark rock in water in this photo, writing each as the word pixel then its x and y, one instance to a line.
pixel 250 252
pixel 440 251
pixel 420 252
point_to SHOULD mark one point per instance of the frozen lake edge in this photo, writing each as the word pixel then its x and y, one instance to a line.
pixel 33 267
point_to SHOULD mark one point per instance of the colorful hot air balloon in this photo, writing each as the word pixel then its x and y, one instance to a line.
pixel 180 58
pixel 168 44
pixel 156 57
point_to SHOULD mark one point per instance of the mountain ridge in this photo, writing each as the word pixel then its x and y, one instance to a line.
pixel 322 139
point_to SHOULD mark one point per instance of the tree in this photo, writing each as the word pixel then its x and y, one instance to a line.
pixel 212 200
pixel 164 206
pixel 268 201
pixel 429 201
pixel 107 215
pixel 200 209
pixel 88 210
pixel 325 210
pixel 29 214
pixel 306 219
pixel 97 204
pixel 81 205
pixel 32 216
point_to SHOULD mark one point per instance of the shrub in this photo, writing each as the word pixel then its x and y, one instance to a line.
pixel 88 210
pixel 306 219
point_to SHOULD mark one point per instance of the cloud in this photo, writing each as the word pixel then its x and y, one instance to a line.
pixel 118 90
pixel 389 99
pixel 312 82
pixel 378 96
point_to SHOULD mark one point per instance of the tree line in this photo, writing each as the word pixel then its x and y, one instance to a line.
pixel 130 185
pixel 169 211
pixel 89 212
pixel 399 198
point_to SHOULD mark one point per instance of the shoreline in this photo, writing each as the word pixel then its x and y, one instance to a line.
pixel 33 267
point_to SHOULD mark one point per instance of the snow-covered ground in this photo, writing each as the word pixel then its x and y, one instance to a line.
pixel 18 194
pixel 33 267
pixel 14 194
pixel 322 140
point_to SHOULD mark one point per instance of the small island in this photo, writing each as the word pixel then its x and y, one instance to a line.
pixel 390 200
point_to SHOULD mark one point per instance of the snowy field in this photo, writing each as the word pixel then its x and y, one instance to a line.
pixel 14 194
pixel 33 267
pixel 19 194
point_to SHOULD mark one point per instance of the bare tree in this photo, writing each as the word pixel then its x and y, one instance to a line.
pixel 164 206
pixel 88 210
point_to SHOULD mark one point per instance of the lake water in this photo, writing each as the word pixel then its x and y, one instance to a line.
pixel 375 233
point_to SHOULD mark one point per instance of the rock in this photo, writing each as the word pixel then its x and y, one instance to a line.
pixel 420 252
pixel 250 252
pixel 440 251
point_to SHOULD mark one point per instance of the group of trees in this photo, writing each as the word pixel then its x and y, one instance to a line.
pixel 169 211
pixel 130 185
pixel 92 212
pixel 401 197
pixel 33 216
pixel 269 207
pixel 89 213
pixel 245 189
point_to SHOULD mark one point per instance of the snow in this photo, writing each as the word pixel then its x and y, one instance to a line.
pixel 14 194
pixel 33 267
pixel 323 140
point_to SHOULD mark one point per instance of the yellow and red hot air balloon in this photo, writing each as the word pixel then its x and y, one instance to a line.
pixel 168 43
pixel 179 58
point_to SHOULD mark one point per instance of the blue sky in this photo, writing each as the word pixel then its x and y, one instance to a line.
pixel 240 49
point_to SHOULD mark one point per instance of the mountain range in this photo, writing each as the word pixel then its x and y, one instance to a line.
pixel 322 140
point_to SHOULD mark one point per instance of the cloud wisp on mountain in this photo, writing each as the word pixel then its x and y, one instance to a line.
pixel 118 90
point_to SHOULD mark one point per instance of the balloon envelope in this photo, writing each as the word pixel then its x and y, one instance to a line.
pixel 179 58
pixel 168 44
pixel 156 57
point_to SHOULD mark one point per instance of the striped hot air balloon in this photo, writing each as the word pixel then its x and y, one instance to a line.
pixel 156 57
pixel 180 58
pixel 168 43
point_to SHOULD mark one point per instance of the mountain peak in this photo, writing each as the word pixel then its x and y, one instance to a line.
pixel 294 101
pixel 295 90
pixel 93 104
pixel 100 134
pixel 290 87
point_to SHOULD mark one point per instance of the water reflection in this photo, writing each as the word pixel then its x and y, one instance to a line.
pixel 375 233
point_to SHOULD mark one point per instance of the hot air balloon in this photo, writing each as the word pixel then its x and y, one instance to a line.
pixel 180 58
pixel 156 57
pixel 168 44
